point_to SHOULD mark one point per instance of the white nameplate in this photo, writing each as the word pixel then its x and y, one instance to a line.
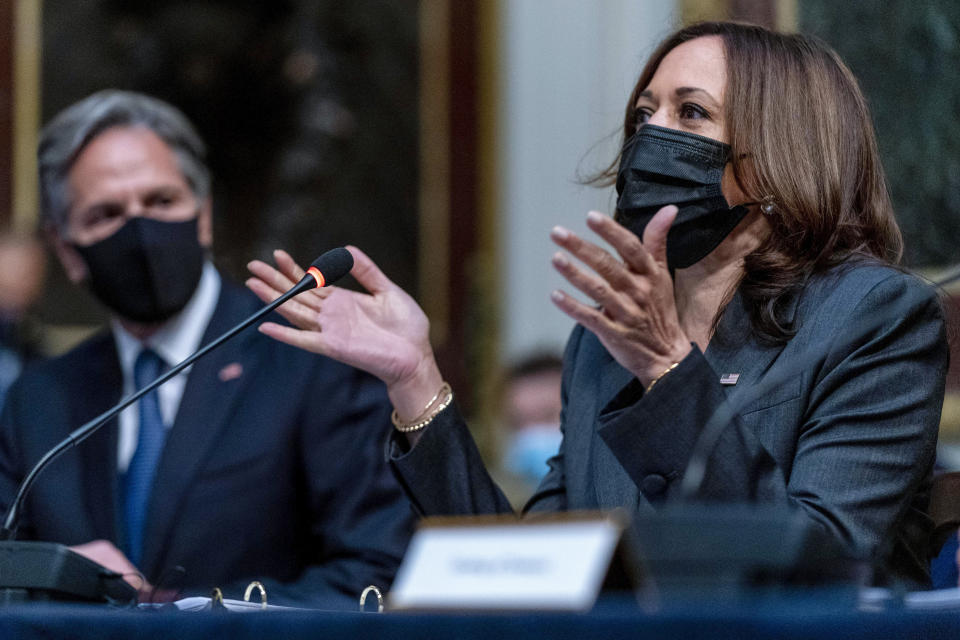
pixel 515 565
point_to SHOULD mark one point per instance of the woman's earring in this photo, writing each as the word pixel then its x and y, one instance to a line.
pixel 767 205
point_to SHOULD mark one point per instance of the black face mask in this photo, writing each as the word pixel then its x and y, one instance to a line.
pixel 146 271
pixel 661 166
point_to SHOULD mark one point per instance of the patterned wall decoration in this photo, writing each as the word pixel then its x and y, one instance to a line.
pixel 906 56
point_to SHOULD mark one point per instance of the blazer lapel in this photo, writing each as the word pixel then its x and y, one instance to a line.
pixel 208 400
pixel 99 452
pixel 614 487
pixel 734 351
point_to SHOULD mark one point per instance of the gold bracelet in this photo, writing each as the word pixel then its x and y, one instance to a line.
pixel 444 389
pixel 663 373
pixel 427 419
pixel 428 414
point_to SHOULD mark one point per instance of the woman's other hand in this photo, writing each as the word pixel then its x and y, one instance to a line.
pixel 383 332
pixel 636 317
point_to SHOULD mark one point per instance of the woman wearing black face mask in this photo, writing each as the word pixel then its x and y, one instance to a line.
pixel 762 292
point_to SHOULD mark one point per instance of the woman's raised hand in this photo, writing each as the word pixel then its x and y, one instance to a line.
pixel 383 332
pixel 636 317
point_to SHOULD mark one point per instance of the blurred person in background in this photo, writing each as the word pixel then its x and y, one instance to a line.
pixel 260 462
pixel 22 277
pixel 531 423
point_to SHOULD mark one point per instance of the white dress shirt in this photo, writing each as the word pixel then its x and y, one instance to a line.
pixel 177 339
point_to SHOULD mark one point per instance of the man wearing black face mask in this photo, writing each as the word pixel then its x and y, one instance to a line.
pixel 234 471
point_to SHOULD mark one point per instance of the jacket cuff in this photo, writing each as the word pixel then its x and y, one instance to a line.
pixel 653 434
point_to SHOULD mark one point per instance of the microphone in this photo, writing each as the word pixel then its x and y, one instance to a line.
pixel 323 271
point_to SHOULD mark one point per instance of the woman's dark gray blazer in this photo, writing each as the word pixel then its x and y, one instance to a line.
pixel 840 422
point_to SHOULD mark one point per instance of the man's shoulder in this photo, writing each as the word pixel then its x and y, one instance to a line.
pixel 76 360
pixel 234 300
pixel 64 380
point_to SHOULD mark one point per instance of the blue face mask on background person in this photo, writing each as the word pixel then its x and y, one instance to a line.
pixel 146 271
pixel 660 166
pixel 529 448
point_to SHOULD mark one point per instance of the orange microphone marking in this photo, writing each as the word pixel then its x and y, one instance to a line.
pixel 313 271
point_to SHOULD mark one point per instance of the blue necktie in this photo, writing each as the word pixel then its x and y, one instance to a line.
pixel 139 479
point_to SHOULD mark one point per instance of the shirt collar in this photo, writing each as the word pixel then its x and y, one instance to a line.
pixel 179 336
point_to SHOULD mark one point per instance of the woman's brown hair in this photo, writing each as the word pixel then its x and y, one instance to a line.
pixel 802 135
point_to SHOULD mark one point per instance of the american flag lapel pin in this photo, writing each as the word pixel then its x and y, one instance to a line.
pixel 729 378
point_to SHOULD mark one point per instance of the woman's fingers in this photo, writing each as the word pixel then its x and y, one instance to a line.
pixel 637 321
pixel 600 261
pixel 591 318
pixel 262 290
pixel 655 233
pixel 270 276
pixel 384 332
pixel 288 266
pixel 288 273
pixel 640 257
pixel 281 278
pixel 367 273
pixel 269 283
pixel 308 340
pixel 597 288
pixel 632 276
pixel 295 310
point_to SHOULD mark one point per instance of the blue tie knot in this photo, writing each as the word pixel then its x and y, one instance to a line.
pixel 147 368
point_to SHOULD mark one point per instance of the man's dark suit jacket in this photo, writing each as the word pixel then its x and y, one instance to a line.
pixel 848 436
pixel 275 474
